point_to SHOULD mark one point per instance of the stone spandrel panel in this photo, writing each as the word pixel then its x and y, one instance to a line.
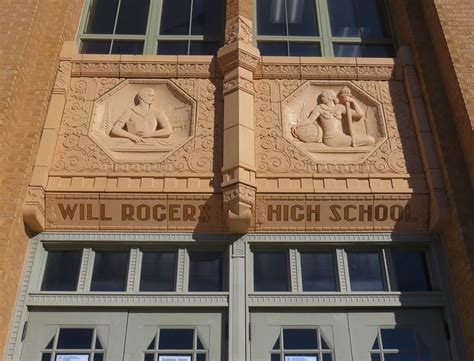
pixel 293 120
pixel 104 129
pixel 137 121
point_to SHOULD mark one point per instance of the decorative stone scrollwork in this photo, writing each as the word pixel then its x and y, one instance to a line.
pixel 239 202
pixel 239 29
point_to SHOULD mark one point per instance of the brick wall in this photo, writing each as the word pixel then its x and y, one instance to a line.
pixel 32 33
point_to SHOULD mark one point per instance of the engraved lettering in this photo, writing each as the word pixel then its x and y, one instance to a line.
pixel 310 211
pixel 365 211
pixel 103 217
pixel 68 211
pixel 396 213
pixel 274 212
pixel 127 212
pixel 172 211
pixel 408 216
pixel 347 216
pixel 336 217
pixel 82 212
pixel 159 216
pixel 285 212
pixel 381 212
pixel 204 214
pixel 143 212
pixel 295 215
pixel 189 212
pixel 90 213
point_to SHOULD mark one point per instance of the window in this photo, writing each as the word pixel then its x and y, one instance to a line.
pixel 365 271
pixel 62 271
pixel 158 271
pixel 72 343
pixel 110 271
pixel 270 271
pixel 352 28
pixel 399 344
pixel 301 344
pixel 205 271
pixel 187 27
pixel 411 270
pixel 175 342
pixel 318 271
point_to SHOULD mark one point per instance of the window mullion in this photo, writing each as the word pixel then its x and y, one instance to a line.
pixel 287 30
pixel 151 31
pixel 190 24
pixel 115 25
pixel 325 27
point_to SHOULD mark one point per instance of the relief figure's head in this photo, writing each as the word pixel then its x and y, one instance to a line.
pixel 145 96
pixel 328 96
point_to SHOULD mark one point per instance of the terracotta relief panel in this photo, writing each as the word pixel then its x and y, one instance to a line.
pixel 117 125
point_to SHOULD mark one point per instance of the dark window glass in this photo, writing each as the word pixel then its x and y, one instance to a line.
pixel 110 271
pixel 411 271
pixel 158 271
pixel 271 17
pixel 149 357
pixel 275 357
pixel 375 357
pixel 398 339
pixel 133 16
pixel 102 17
pixel 318 271
pixel 98 357
pixel 172 48
pixel 46 356
pixel 205 271
pixel 127 47
pixel 62 271
pixel 201 357
pixel 327 357
pixel 204 21
pixel 75 338
pixel 379 51
pixel 348 50
pixel 305 49
pixel 203 48
pixel 273 48
pixel 402 356
pixel 270 271
pixel 175 17
pixel 176 339
pixel 95 46
pixel 365 271
pixel 300 339
pixel 343 17
pixel 372 19
pixel 302 20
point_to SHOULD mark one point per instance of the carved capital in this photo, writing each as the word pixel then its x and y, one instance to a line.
pixel 62 78
pixel 238 54
pixel 238 29
pixel 239 203
pixel 238 81
pixel 34 209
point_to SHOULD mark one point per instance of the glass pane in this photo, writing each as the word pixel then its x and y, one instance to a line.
pixel 402 356
pixel 365 271
pixel 205 271
pixel 302 20
pixel 375 357
pixel 270 271
pixel 372 19
pixel 272 48
pixel 305 49
pixel 127 47
pixel 343 18
pixel 46 356
pixel 102 17
pixel 158 271
pixel 207 17
pixel 310 356
pixel 349 50
pixel 50 344
pixel 398 339
pixel 376 346
pixel 379 51
pixel 179 357
pixel 75 338
pixel 201 357
pixel 275 357
pixel 172 48
pixel 175 17
pixel 151 346
pixel 410 270
pixel 110 271
pixel 176 339
pixel 327 357
pixel 300 339
pixel 95 46
pixel 203 48
pixel 199 344
pixel 276 346
pixel 62 271
pixel 98 345
pixel 99 357
pixel 324 345
pixel 271 17
pixel 133 16
pixel 318 271
pixel 149 357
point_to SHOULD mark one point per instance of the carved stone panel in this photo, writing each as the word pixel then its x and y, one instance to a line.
pixel 142 122
pixel 333 122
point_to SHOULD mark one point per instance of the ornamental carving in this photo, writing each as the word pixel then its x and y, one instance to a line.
pixel 142 122
pixel 239 29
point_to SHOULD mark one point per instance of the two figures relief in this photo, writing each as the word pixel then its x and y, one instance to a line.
pixel 330 118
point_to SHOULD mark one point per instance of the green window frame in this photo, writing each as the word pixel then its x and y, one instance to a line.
pixel 152 36
pixel 325 38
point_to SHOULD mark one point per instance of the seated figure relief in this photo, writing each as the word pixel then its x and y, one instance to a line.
pixel 142 120
pixel 326 122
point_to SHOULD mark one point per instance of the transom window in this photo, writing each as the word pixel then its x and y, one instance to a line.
pixel 294 344
pixel 352 28
pixel 74 344
pixel 186 27
pixel 399 344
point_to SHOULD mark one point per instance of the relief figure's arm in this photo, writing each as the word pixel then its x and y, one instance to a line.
pixel 165 126
pixel 357 113
pixel 314 115
pixel 118 131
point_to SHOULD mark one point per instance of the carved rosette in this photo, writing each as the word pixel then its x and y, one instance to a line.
pixel 239 203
